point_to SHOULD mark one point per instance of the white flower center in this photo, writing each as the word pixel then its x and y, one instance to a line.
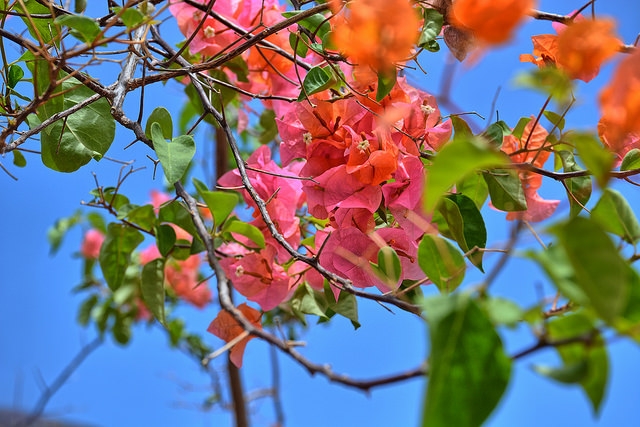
pixel 427 109
pixel 239 271
pixel 363 146
pixel 209 32
pixel 307 138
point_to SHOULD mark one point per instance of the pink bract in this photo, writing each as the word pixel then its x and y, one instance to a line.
pixel 91 244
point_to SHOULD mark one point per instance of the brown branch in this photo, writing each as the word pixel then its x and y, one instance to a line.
pixel 226 303
pixel 544 342
pixel 60 380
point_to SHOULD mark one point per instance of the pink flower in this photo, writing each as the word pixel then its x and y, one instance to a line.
pixel 158 199
pixel 91 244
pixel 337 188
pixel 348 252
pixel 258 278
pixel 532 143
pixel 183 278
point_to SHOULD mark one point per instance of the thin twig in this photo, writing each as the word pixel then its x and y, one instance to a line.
pixel 60 380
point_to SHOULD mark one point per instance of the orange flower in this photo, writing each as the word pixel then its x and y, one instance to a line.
pixel 583 46
pixel 225 327
pixel 373 160
pixel 491 21
pixel 545 50
pixel 377 33
pixel 530 150
pixel 620 104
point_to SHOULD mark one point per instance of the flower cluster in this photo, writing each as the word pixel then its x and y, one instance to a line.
pixel 225 25
pixel 347 163
pixel 348 178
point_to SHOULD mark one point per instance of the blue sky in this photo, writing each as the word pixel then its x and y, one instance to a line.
pixel 146 383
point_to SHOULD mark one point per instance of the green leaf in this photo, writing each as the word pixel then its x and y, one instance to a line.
pixel 299 43
pixel 142 216
pixel 97 221
pixel 268 128
pixel 82 27
pixel 121 328
pixel 317 79
pixel 431 29
pixel 247 230
pixel 84 311
pixel 568 374
pixel 18 159
pixel 389 267
pixel 495 133
pixel 346 306
pixel 386 82
pixel 556 119
pixel 130 16
pixel 592 352
pixel 40 29
pixel 503 312
pixel 614 213
pixel 176 213
pixel 441 262
pixel 79 6
pixel 579 188
pixel 14 76
pixel 87 134
pixel 176 330
pixel 596 158
pixel 600 271
pixel 100 315
pixel 238 66
pixel 152 288
pixel 629 322
pixel 519 129
pixel 506 190
pixel 220 203
pixel 466 225
pixel 461 128
pixel 161 116
pixel 317 24
pixel 631 160
pixel 56 233
pixel 548 80
pixel 165 239
pixel 454 162
pixel 474 187
pixel 468 368
pixel 115 254
pixel 175 156
pixel 557 266
pixel 306 300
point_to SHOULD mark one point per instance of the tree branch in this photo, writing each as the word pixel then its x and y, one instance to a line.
pixel 60 380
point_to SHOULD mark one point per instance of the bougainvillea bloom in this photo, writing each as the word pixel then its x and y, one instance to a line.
pixel 258 278
pixel 620 106
pixel 377 33
pixel 184 279
pixel 490 21
pixel 348 252
pixel 579 49
pixel 91 244
pixel 225 327
pixel 545 50
pixel 532 142
pixel 583 46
